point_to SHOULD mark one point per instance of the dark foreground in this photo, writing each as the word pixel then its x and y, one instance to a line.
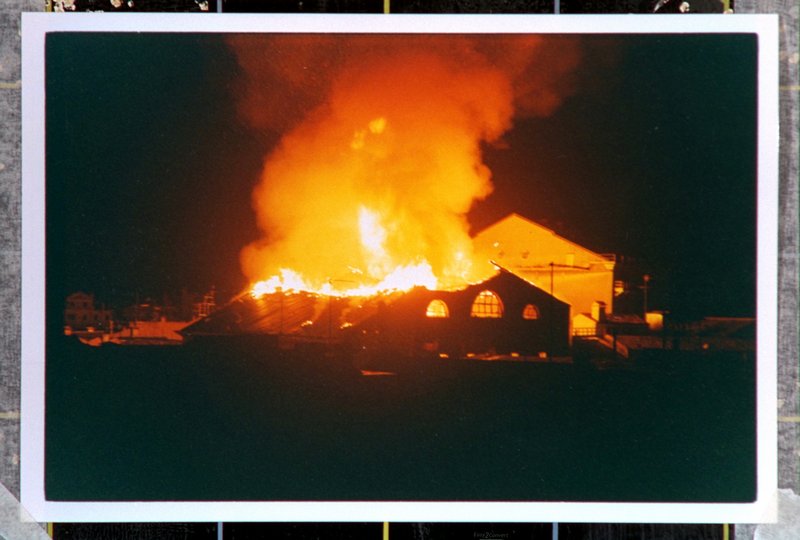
pixel 231 423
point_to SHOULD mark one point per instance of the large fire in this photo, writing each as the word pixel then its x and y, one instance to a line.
pixel 369 188
pixel 383 273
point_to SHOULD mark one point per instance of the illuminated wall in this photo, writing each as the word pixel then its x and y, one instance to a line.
pixel 579 276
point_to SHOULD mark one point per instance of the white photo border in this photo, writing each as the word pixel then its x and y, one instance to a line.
pixel 37 25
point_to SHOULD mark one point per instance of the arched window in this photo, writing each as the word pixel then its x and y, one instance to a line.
pixel 487 305
pixel 437 309
pixel 530 312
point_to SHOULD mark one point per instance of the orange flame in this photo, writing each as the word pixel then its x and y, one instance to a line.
pixel 370 190
pixel 387 275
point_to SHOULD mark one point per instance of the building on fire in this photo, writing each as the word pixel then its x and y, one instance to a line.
pixel 81 313
pixel 544 290
pixel 503 315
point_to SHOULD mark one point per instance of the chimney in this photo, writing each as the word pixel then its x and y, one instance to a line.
pixel 599 311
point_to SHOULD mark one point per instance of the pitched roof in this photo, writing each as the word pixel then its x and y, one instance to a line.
pixel 515 219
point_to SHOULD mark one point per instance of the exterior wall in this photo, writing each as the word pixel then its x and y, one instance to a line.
pixel 580 276
pixel 579 288
pixel 583 325
pixel 403 327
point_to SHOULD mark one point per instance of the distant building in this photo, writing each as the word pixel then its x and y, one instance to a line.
pixel 206 306
pixel 708 336
pixel 146 310
pixel 161 332
pixel 191 306
pixel 147 322
pixel 161 323
pixel 81 314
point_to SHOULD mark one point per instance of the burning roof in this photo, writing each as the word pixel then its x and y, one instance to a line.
pixel 316 316
pixel 295 313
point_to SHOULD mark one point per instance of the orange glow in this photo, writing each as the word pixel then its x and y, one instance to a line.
pixel 380 158
pixel 530 312
pixel 373 237
pixel 437 309
pixel 402 278
pixel 371 373
pixel 487 305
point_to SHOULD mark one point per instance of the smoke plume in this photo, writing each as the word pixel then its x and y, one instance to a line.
pixel 379 159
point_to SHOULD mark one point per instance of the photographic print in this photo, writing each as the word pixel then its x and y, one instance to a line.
pixel 459 267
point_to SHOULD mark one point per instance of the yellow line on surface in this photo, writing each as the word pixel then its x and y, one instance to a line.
pixel 386 523
pixel 791 87
pixel 9 415
pixel 789 419
pixel 10 85
pixel 386 7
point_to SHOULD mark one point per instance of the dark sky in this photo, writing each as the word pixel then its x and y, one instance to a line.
pixel 150 169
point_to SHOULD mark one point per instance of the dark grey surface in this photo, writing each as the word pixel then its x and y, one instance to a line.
pixel 10 212
pixel 10 178
pixel 788 413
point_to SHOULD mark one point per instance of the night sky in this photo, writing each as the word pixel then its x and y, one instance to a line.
pixel 150 169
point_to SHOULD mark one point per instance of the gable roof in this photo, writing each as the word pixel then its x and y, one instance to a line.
pixel 521 223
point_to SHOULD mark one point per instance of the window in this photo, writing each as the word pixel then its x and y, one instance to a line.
pixel 487 305
pixel 437 309
pixel 530 312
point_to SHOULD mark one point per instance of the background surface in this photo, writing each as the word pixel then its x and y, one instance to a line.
pixel 10 212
